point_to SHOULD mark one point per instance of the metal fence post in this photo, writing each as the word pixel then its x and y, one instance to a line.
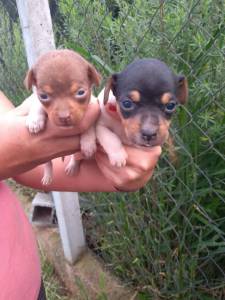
pixel 38 38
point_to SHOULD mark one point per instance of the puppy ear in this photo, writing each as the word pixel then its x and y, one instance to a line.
pixel 94 76
pixel 181 89
pixel 110 85
pixel 29 79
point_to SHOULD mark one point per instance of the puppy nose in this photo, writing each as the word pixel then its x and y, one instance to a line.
pixel 65 118
pixel 148 135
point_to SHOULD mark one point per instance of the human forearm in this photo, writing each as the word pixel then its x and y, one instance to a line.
pixel 100 176
pixel 89 179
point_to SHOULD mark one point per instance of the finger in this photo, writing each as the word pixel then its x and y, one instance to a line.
pixel 140 158
pixel 43 147
pixel 126 178
pixel 136 172
pixel 143 158
pixel 135 184
pixel 90 116
pixel 118 176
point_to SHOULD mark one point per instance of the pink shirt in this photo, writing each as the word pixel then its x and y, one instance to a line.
pixel 19 263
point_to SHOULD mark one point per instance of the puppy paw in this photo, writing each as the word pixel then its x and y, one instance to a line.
pixel 72 168
pixel 88 142
pixel 35 123
pixel 88 147
pixel 46 179
pixel 118 159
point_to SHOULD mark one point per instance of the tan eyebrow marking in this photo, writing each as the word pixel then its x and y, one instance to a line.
pixel 166 98
pixel 48 89
pixel 135 96
pixel 73 87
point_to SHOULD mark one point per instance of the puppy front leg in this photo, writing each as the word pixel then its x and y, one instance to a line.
pixel 36 118
pixel 88 148
pixel 112 146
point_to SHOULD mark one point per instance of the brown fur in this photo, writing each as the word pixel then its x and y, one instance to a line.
pixel 60 74
pixel 108 87
pixel 63 82
pixel 182 91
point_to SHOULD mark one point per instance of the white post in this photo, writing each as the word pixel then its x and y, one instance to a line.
pixel 70 224
pixel 36 24
pixel 38 38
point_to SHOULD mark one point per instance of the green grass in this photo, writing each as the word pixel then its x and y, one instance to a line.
pixel 56 291
pixel 53 286
pixel 13 64
pixel 168 239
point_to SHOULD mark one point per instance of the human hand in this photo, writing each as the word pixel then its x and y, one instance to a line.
pixel 138 170
pixel 23 151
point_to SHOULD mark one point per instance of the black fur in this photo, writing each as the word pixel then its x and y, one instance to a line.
pixel 152 78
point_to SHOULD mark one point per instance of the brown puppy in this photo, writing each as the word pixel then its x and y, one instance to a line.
pixel 62 81
pixel 144 95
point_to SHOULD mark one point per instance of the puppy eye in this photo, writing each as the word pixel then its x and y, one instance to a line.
pixel 170 107
pixel 80 93
pixel 127 104
pixel 44 97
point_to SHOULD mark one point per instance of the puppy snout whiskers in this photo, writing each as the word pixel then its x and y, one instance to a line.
pixel 148 135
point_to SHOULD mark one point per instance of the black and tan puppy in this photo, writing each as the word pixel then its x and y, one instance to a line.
pixel 145 95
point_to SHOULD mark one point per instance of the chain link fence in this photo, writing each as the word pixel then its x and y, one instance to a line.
pixel 168 239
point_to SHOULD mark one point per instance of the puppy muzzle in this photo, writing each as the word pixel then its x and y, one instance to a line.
pixel 148 137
